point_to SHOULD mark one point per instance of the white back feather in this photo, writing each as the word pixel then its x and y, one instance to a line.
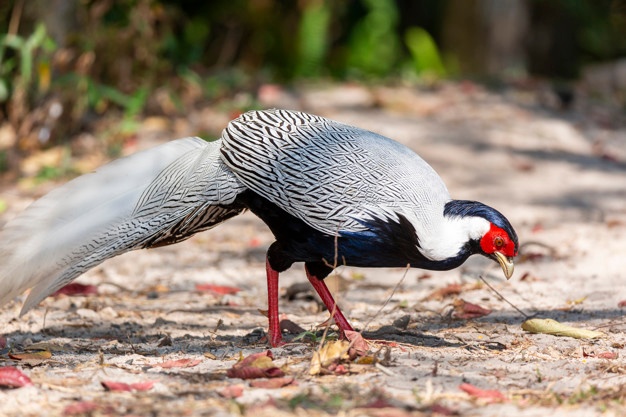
pixel 85 221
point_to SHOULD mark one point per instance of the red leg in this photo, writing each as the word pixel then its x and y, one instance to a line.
pixel 275 335
pixel 329 302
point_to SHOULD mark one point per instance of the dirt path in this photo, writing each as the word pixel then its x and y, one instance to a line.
pixel 560 177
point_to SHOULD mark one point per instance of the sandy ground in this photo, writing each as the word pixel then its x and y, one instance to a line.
pixel 559 176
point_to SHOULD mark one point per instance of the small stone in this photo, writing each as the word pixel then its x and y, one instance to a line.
pixel 108 313
pixel 88 314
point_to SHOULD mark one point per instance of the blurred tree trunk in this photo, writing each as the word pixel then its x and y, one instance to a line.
pixel 553 47
pixel 486 37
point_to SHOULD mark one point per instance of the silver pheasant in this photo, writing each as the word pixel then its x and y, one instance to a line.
pixel 331 194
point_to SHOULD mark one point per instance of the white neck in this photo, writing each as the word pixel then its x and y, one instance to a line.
pixel 445 239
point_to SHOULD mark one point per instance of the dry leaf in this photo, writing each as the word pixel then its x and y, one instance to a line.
pixel 621 304
pixel 451 289
pixel 366 360
pixel 491 396
pixel 464 310
pixel 122 386
pixel 553 327
pixel 77 289
pixel 448 290
pixel 231 391
pixel 3 342
pixel 11 377
pixel 338 369
pixel 273 383
pixel 439 409
pixel 33 355
pixel 81 407
pixel 179 363
pixel 601 355
pixel 257 365
pixel 217 289
pixel 331 352
pixel 358 345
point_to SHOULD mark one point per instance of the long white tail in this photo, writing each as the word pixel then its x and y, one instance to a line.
pixel 155 197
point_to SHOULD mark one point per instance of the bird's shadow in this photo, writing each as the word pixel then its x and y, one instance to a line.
pixel 153 340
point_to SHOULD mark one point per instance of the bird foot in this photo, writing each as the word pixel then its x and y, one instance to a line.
pixel 274 340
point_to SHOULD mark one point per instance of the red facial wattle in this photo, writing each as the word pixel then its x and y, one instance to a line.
pixel 497 240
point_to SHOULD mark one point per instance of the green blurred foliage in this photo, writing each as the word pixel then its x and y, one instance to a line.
pixel 374 45
pixel 165 56
pixel 426 57
pixel 313 39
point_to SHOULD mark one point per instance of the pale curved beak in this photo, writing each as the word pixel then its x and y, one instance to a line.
pixel 506 264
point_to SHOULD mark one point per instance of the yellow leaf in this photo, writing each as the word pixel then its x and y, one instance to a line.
pixel 262 362
pixel 553 327
pixel 366 360
pixel 333 351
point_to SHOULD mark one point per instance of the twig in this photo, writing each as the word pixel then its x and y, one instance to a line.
pixel 384 369
pixel 406 271
pixel 502 297
pixel 619 323
pixel 16 16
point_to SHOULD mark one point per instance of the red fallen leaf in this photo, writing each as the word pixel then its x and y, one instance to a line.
pixel 609 157
pixel 358 345
pixel 601 355
pixel 217 289
pixel 387 343
pixel 524 166
pixel 338 369
pixel 621 304
pixel 122 386
pixel 81 407
pixel 231 391
pixel 77 289
pixel 257 365
pixel 424 276
pixel 179 363
pixel 251 372
pixel 489 395
pixel 450 289
pixel 273 383
pixel 443 410
pixel 464 310
pixel 538 227
pixel 11 377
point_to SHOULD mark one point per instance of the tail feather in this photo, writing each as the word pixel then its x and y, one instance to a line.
pixel 162 195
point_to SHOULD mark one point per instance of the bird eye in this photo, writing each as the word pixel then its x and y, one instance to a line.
pixel 498 242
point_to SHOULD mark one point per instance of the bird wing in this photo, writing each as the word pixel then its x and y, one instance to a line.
pixel 152 198
pixel 332 176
